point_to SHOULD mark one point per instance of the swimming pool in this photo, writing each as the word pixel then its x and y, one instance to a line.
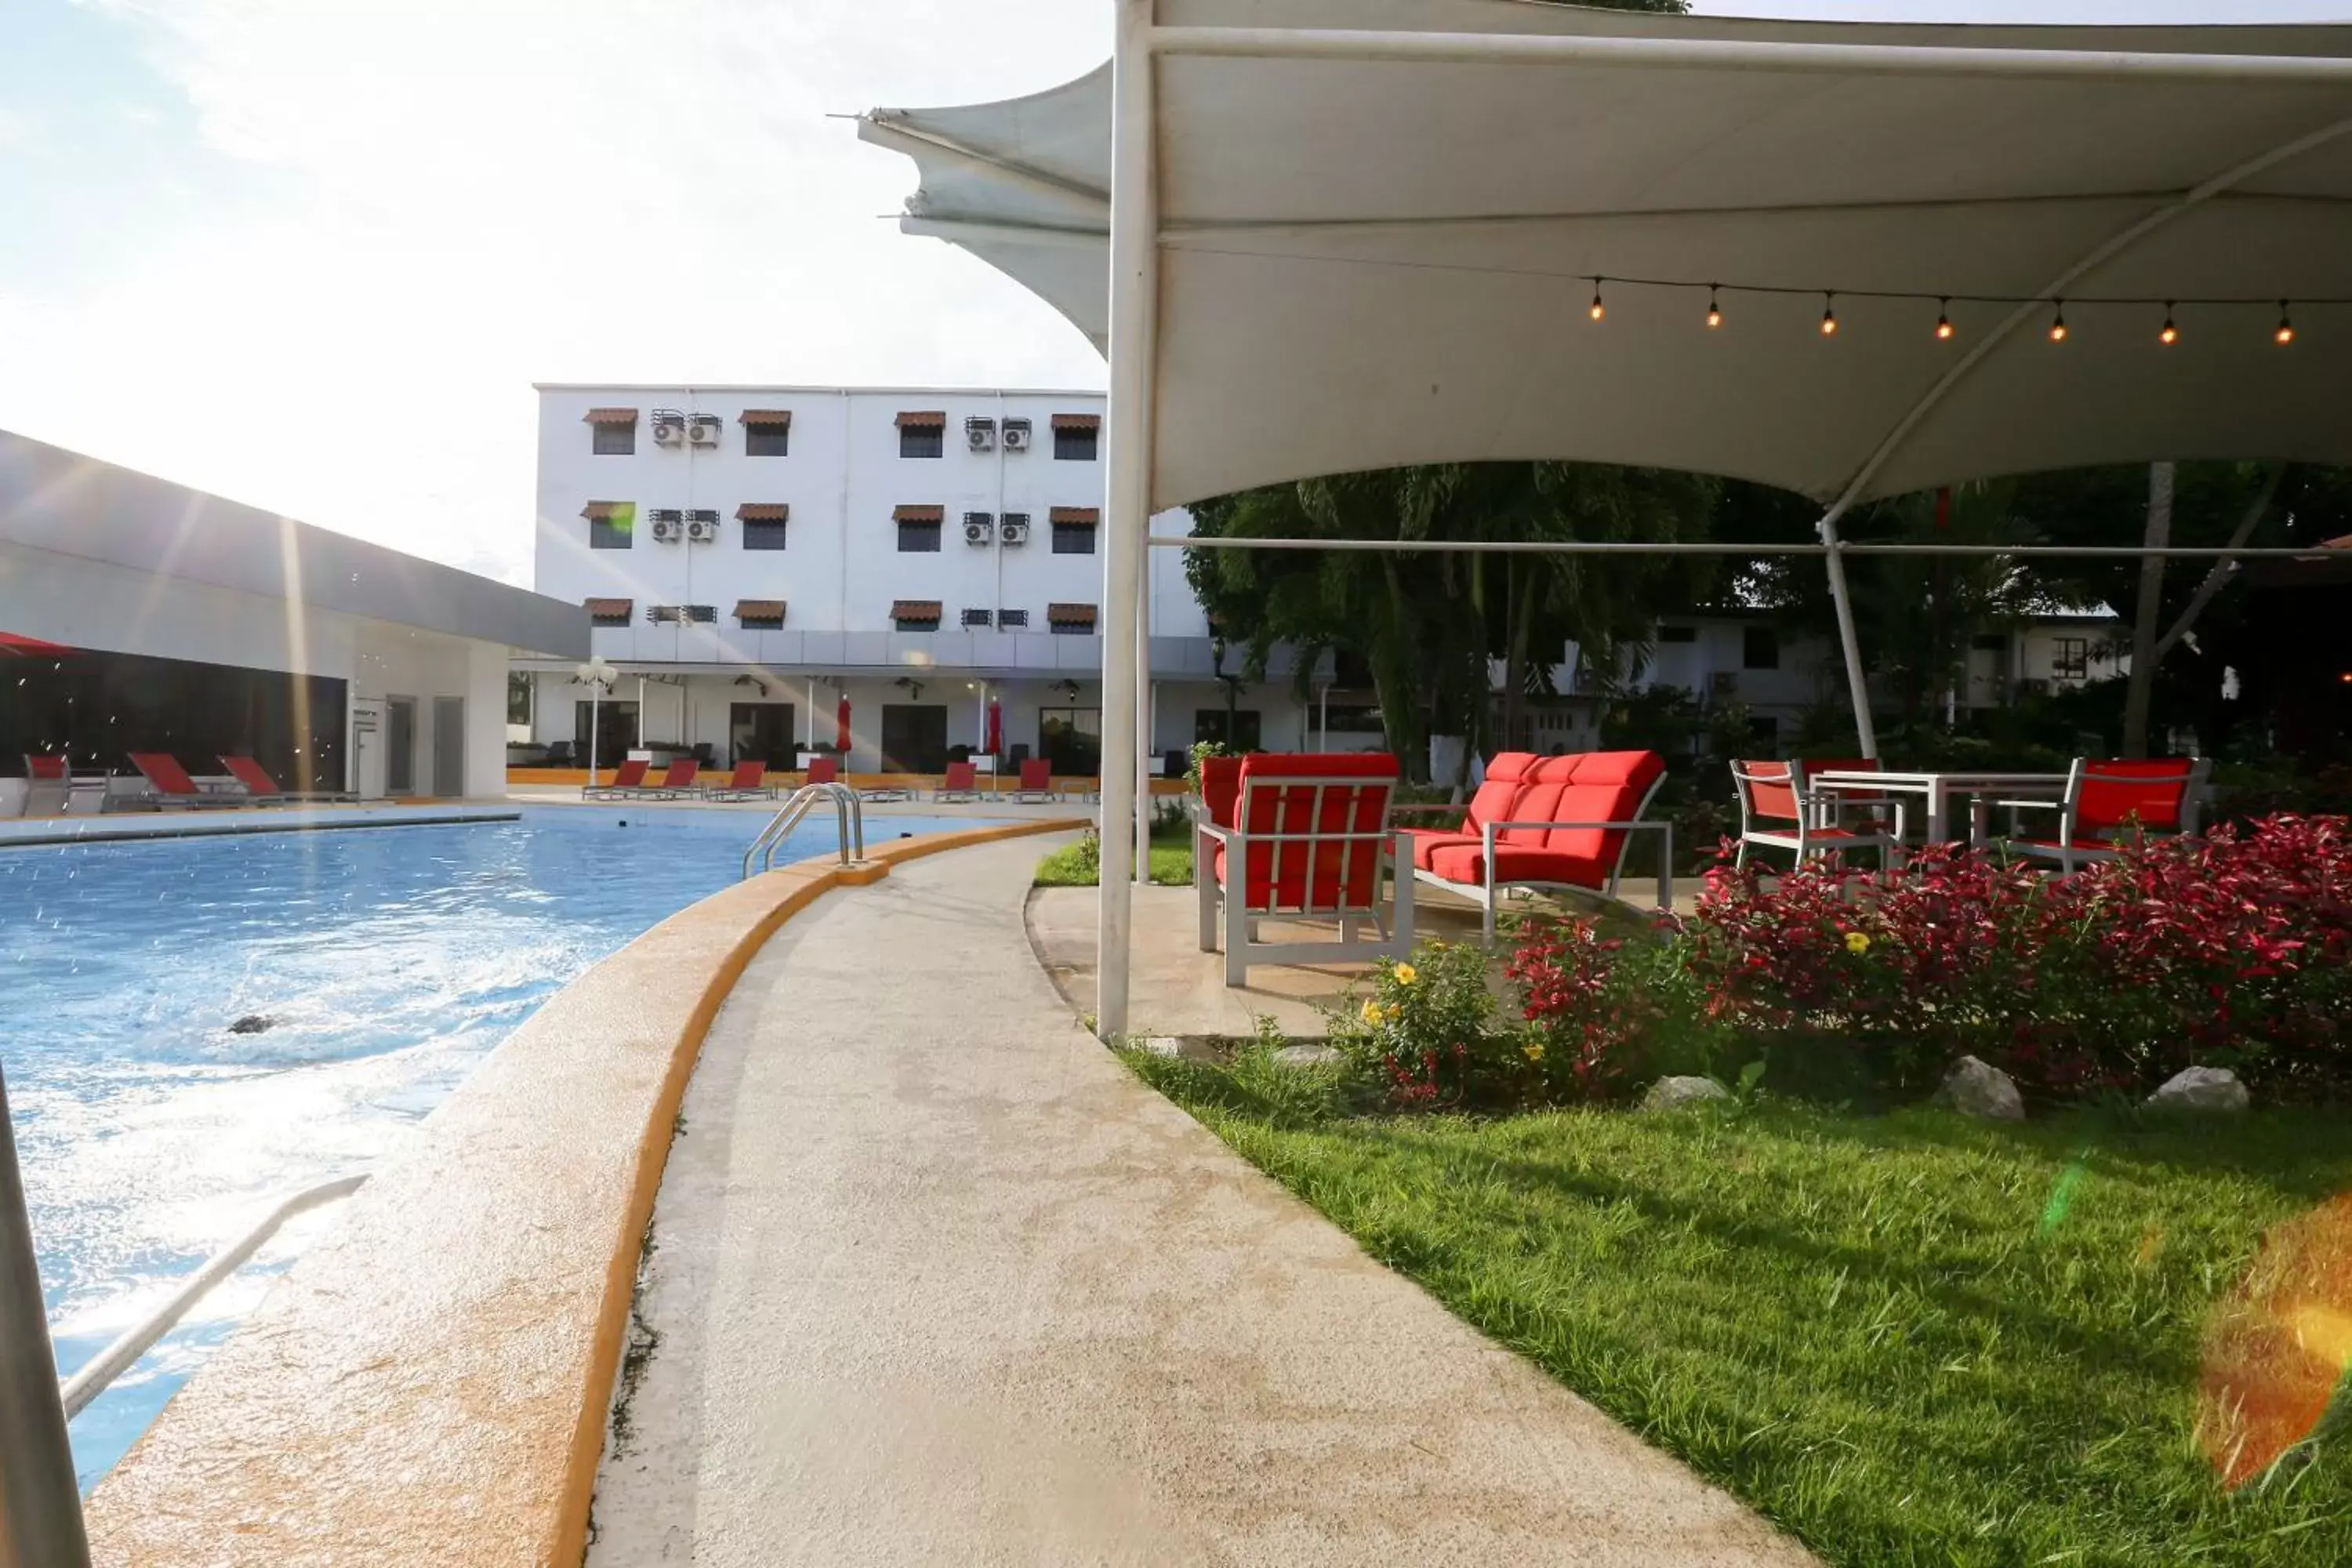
pixel 386 963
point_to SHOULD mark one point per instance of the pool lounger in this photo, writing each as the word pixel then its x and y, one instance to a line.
pixel 262 790
pixel 168 784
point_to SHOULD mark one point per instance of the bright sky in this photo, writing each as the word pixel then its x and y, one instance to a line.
pixel 311 254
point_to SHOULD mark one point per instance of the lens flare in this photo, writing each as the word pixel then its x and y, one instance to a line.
pixel 2278 1353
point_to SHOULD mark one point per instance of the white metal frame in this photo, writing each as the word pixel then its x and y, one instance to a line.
pixel 2065 850
pixel 1491 889
pixel 1392 854
pixel 1814 820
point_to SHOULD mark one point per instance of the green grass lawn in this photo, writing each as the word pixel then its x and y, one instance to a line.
pixel 1909 1340
pixel 1172 861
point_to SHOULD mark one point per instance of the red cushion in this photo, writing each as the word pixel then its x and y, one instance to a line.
pixel 1467 863
pixel 1220 787
pixel 1637 771
pixel 1426 841
pixel 1332 793
pixel 163 771
pixel 1536 802
pixel 2149 793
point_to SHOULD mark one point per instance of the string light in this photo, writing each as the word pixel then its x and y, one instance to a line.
pixel 2170 334
pixel 2286 334
pixel 1943 320
pixel 2058 323
pixel 1829 315
pixel 1714 308
pixel 1598 310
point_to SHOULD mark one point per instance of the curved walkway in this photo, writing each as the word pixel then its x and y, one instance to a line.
pixel 935 1280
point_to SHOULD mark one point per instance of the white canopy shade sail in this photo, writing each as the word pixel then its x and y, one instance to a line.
pixel 1322 236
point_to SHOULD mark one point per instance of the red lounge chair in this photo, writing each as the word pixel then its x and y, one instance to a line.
pixel 1568 824
pixel 49 785
pixel 676 781
pixel 748 782
pixel 823 770
pixel 961 782
pixel 263 789
pixel 1312 834
pixel 168 782
pixel 1036 781
pixel 628 779
pixel 2110 801
pixel 1776 813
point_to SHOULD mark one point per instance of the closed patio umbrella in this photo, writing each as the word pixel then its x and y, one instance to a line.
pixel 840 728
pixel 996 746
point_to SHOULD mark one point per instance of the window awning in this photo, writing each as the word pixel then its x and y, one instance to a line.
pixel 914 609
pixel 1085 516
pixel 764 512
pixel 1077 421
pixel 1069 614
pixel 608 510
pixel 611 609
pixel 610 416
pixel 766 416
pixel 922 419
pixel 759 609
pixel 918 514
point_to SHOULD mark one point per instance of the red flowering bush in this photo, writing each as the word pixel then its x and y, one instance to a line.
pixel 2226 950
pixel 1598 1010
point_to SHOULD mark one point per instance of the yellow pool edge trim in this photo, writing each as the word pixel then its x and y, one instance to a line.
pixel 567 1539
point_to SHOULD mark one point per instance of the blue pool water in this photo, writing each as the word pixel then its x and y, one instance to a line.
pixel 390 960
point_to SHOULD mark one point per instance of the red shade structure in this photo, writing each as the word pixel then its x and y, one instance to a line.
pixel 15 645
pixel 996 746
pixel 840 728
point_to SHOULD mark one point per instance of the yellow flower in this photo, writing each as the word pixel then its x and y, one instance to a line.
pixel 1535 1051
pixel 1855 942
pixel 1372 1012
pixel 1396 1011
pixel 1404 974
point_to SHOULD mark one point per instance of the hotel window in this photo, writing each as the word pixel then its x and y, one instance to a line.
pixel 1073 529
pixel 915 615
pixel 1078 437
pixel 763 524
pixel 2074 661
pixel 1759 648
pixel 759 614
pixel 975 617
pixel 1070 620
pixel 767 432
pixel 610 612
pixel 1246 733
pixel 611 524
pixel 918 528
pixel 1008 620
pixel 922 434
pixel 1678 634
pixel 614 431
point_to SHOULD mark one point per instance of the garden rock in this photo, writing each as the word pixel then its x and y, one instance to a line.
pixel 1674 1093
pixel 1180 1047
pixel 2201 1089
pixel 1983 1091
pixel 1307 1056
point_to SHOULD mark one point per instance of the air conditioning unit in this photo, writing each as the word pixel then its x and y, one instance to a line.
pixel 668 530
pixel 669 427
pixel 1016 435
pixel 703 429
pixel 703 529
pixel 980 434
pixel 977 530
pixel 1014 530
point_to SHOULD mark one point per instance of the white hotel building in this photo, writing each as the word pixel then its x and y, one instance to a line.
pixel 752 556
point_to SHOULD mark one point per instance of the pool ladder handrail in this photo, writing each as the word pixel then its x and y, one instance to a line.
pixel 97 1374
pixel 849 814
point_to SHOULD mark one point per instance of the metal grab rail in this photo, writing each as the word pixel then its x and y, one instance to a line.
pixel 118 1358
pixel 849 815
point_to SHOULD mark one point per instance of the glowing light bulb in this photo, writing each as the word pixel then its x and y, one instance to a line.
pixel 2058 325
pixel 2286 334
pixel 1829 315
pixel 1714 308
pixel 1943 320
pixel 2170 334
pixel 1598 309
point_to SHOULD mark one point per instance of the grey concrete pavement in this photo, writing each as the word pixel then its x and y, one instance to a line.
pixel 936 1279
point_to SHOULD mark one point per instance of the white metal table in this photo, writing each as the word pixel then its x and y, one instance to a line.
pixel 1937 789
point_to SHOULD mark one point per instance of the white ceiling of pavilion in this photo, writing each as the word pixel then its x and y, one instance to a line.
pixel 1369 262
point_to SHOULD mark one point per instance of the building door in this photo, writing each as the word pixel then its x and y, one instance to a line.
pixel 400 746
pixel 914 738
pixel 615 731
pixel 1071 739
pixel 448 747
pixel 761 732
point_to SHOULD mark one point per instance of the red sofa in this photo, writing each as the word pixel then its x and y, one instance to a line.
pixel 1547 822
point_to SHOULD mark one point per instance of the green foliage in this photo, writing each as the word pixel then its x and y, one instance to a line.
pixel 1079 864
pixel 1418 1035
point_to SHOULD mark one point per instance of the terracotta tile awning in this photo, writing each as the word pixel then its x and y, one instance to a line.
pixel 1077 421
pixel 914 609
pixel 611 609
pixel 766 416
pixel 759 609
pixel 918 514
pixel 1069 614
pixel 610 416
pixel 764 512
pixel 1087 515
pixel 920 420
pixel 606 510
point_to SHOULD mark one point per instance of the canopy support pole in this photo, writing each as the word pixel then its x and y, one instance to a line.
pixel 1849 644
pixel 40 1502
pixel 1143 724
pixel 1134 319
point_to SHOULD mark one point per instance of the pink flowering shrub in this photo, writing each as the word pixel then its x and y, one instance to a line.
pixel 1597 1011
pixel 2228 949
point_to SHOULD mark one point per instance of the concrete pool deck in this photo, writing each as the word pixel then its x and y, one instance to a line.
pixel 933 1277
